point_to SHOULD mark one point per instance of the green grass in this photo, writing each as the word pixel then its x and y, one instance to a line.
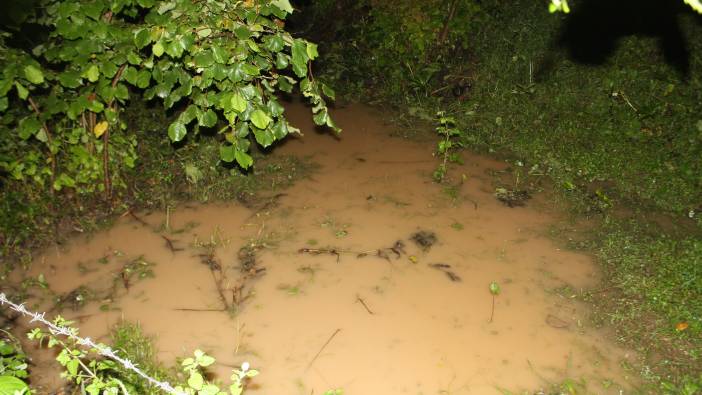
pixel 129 340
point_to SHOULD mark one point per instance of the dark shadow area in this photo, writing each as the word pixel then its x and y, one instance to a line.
pixel 591 32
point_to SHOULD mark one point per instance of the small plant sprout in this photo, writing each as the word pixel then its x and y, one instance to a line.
pixel 239 378
pixel 494 290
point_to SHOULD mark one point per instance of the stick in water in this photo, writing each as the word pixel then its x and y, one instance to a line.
pixel 323 347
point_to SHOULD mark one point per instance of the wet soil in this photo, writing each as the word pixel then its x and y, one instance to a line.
pixel 321 295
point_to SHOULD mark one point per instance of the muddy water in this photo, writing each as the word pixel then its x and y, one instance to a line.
pixel 382 323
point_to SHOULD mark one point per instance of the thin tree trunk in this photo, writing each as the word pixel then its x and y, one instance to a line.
pixel 445 30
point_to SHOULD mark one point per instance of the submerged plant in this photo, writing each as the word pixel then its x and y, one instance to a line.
pixel 494 290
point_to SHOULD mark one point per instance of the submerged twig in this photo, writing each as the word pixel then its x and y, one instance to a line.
pixel 170 243
pixel 444 268
pixel 130 213
pixel 220 290
pixel 363 303
pixel 323 347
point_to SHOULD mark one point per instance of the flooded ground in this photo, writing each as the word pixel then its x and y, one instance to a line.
pixel 368 277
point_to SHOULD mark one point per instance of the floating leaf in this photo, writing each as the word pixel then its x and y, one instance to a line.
pixel 100 128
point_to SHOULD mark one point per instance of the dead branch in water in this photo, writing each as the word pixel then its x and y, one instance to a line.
pixel 170 243
pixel 398 249
pixel 323 347
pixel 220 289
pixel 130 213
pixel 363 303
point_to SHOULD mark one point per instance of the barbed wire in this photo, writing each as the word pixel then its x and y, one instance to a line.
pixel 87 342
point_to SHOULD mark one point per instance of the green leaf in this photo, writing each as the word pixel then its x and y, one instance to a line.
pixel 243 159
pixel 208 119
pixel 177 131
pixel 227 153
pixel 275 43
pixel 33 74
pixel 5 86
pixel 299 57
pixel 93 73
pixel 96 106
pixel 12 385
pixel 28 127
pixel 250 69
pixel 206 360
pixel 72 365
pixel 321 117
pixel 238 102
pixel 283 5
pixel 328 92
pixel 254 47
pixel 166 6
pixel 219 54
pixel 260 119
pixel 204 59
pixel 494 288
pixel 274 108
pixel 280 129
pixel 175 48
pixel 70 79
pixel 158 49
pixel 22 92
pixel 142 38
pixel 312 52
pixel 130 75
pixel 242 33
pixel 4 103
pixel 188 115
pixel 204 33
pixel 195 381
pixel 264 137
pixel 143 79
pixel 209 389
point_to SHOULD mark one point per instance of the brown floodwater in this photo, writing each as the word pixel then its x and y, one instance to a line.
pixel 399 319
